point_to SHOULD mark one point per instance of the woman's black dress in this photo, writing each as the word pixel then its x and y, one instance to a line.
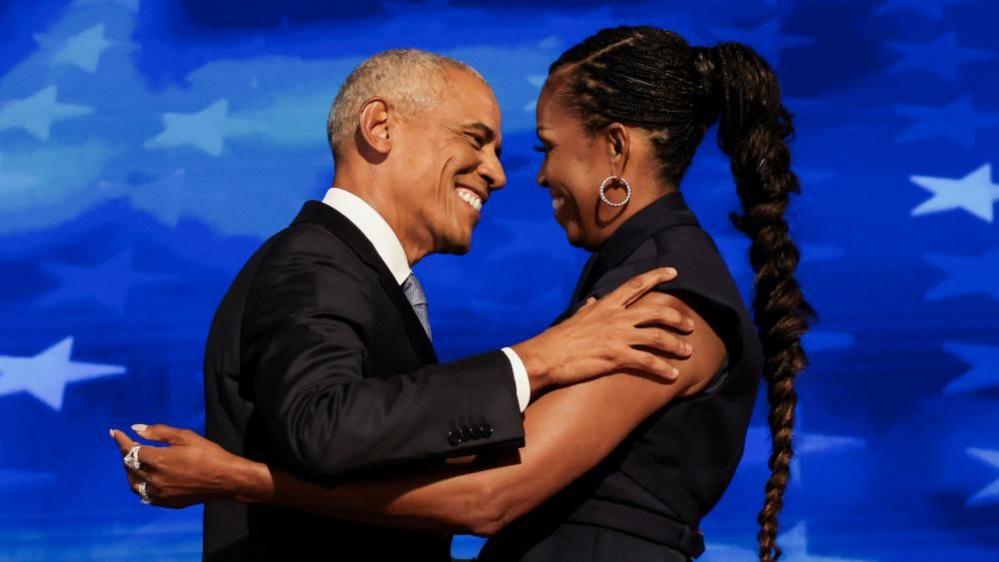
pixel 646 500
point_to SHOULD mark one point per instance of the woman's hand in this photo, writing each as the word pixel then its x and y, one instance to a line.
pixel 189 470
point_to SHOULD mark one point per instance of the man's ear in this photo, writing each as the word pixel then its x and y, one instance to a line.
pixel 618 146
pixel 375 125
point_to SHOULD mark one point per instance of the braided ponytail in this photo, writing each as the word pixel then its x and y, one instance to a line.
pixel 652 78
pixel 753 129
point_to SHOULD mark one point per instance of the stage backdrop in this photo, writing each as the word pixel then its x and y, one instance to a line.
pixel 147 148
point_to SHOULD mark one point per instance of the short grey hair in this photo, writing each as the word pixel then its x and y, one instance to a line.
pixel 412 79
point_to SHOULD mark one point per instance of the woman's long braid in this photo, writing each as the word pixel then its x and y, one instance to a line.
pixel 651 78
pixel 753 130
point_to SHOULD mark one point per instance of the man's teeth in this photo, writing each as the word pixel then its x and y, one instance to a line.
pixel 469 196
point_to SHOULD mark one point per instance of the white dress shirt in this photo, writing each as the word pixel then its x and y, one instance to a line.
pixel 390 250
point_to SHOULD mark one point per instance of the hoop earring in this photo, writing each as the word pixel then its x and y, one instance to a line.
pixel 603 188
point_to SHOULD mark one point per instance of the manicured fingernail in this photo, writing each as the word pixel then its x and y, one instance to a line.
pixel 140 427
pixel 111 433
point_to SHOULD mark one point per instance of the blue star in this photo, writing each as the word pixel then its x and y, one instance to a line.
pixel 12 181
pixel 757 450
pixel 19 478
pixel 957 120
pixel 990 493
pixel 765 38
pixel 815 341
pixel 205 129
pixel 82 50
pixel 38 112
pixel 941 57
pixel 984 373
pixel 965 275
pixel 46 375
pixel 793 543
pixel 931 8
pixel 108 283
pixel 974 193
pixel 129 5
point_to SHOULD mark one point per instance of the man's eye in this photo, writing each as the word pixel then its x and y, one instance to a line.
pixel 479 141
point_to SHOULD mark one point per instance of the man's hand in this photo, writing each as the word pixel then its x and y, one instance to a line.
pixel 626 330
pixel 190 470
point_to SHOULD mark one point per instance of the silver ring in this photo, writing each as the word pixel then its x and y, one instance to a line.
pixel 603 187
pixel 143 494
pixel 132 458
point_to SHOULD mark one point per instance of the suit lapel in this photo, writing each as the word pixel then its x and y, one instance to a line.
pixel 342 228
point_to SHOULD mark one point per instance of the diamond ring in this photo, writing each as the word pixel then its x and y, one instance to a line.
pixel 132 458
pixel 143 495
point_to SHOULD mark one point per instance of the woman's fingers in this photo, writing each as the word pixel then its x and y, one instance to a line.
pixel 636 287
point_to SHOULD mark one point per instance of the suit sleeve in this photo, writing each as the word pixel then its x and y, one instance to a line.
pixel 306 322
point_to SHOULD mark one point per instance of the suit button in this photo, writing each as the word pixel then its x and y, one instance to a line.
pixel 466 433
pixel 453 438
pixel 486 429
pixel 476 431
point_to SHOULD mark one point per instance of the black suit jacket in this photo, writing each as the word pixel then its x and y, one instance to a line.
pixel 317 363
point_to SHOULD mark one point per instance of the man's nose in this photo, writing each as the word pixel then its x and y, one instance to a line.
pixel 492 171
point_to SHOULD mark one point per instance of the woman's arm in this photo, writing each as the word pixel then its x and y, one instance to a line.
pixel 569 430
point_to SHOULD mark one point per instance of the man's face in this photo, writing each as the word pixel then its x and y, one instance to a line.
pixel 449 162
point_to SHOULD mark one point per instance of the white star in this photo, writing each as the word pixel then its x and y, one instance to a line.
pixel 990 493
pixel 974 193
pixel 82 50
pixel 793 543
pixel 205 129
pixel 46 375
pixel 38 112
pixel 984 372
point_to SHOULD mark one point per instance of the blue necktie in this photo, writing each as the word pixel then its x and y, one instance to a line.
pixel 418 300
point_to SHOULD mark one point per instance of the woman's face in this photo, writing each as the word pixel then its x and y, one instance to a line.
pixel 575 164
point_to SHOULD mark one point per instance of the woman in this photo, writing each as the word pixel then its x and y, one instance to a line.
pixel 623 467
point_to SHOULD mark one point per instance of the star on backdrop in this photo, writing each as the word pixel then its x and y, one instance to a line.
pixel 806 444
pixel 931 8
pixel 942 56
pixel 37 112
pixel 794 544
pixel 205 129
pixel 990 493
pixel 46 375
pixel 82 50
pixel 957 121
pixel 974 193
pixel 15 181
pixel 766 38
pixel 984 372
pixel 107 283
pixel 965 275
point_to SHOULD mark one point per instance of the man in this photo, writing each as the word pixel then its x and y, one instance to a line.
pixel 320 359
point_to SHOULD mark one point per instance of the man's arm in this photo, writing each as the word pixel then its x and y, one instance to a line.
pixel 569 430
pixel 306 329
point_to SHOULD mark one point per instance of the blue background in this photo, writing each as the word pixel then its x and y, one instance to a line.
pixel 147 148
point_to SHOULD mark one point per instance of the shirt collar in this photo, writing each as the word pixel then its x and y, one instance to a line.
pixel 374 228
